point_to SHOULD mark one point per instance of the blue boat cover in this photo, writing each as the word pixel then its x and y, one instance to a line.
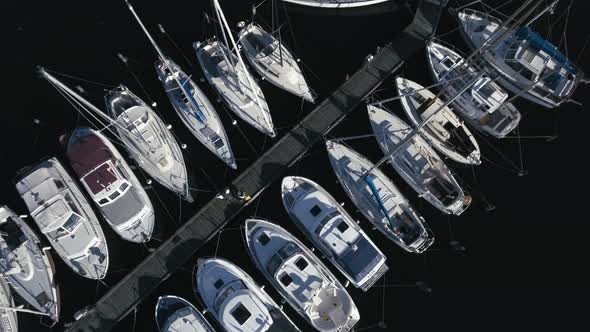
pixel 375 192
pixel 538 42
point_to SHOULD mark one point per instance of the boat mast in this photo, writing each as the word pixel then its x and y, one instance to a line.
pixel 551 8
pixel 156 47
pixel 225 29
pixel 275 11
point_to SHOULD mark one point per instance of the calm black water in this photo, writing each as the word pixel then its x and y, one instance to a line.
pixel 523 262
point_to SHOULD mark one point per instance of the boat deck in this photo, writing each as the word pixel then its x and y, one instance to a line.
pixel 271 166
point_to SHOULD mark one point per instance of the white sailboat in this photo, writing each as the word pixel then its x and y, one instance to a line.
pixel 236 301
pixel 148 140
pixel 300 277
pixel 525 63
pixel 191 104
pixel 273 61
pixel 225 70
pixel 417 163
pixel 378 199
pixel 333 231
pixel 484 106
pixel 27 266
pixel 444 130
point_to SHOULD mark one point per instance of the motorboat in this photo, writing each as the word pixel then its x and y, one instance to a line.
pixel 444 130
pixel 26 266
pixel 273 61
pixel 65 217
pixel 484 105
pixel 417 163
pixel 378 199
pixel 333 231
pixel 175 314
pixel 300 277
pixel 524 62
pixel 236 301
pixel 114 188
pixel 148 140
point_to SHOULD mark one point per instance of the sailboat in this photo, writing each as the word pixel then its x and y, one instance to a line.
pixel 65 217
pixel 300 277
pixel 273 61
pixel 27 266
pixel 148 140
pixel 175 314
pixel 105 175
pixel 236 301
pixel 227 73
pixel 378 199
pixel 525 63
pixel 444 130
pixel 417 163
pixel 335 3
pixel 484 106
pixel 8 317
pixel 333 231
pixel 191 104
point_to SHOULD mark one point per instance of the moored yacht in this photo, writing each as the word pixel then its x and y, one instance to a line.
pixel 148 140
pixel 192 106
pixel 444 130
pixel 484 106
pixel 332 230
pixel 378 199
pixel 236 301
pixel 273 61
pixel 300 277
pixel 175 314
pixel 525 63
pixel 26 266
pixel 65 217
pixel 108 179
pixel 417 163
pixel 8 317
pixel 235 84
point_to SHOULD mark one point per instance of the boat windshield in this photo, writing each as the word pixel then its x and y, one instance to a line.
pixel 74 220
pixel 288 250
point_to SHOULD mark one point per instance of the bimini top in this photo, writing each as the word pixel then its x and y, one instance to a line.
pixel 175 314
pixel 65 217
pixel 27 267
pixel 236 301
pixel 333 231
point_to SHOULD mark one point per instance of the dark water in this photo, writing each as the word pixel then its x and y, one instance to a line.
pixel 524 261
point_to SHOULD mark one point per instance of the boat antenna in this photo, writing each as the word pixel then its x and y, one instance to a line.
pixel 156 47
